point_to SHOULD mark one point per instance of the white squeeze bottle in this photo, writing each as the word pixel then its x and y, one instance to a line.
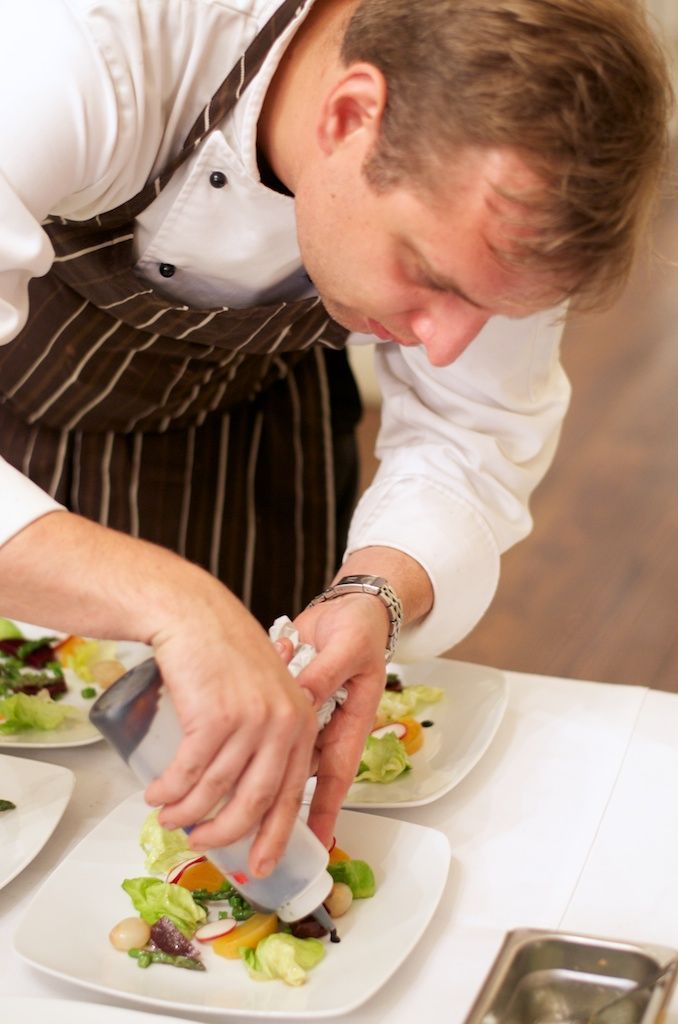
pixel 137 717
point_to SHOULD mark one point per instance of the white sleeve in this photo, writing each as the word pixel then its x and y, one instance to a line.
pixel 72 135
pixel 462 448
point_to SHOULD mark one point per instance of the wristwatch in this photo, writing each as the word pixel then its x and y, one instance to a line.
pixel 378 587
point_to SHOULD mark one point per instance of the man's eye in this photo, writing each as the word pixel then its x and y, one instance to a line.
pixel 425 282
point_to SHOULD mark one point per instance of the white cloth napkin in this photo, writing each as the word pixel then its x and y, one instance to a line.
pixel 303 655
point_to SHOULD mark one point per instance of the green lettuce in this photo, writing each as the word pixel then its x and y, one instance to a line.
pixel 408 702
pixel 383 760
pixel 357 875
pixel 154 899
pixel 283 956
pixel 23 711
pixel 9 630
pixel 163 848
pixel 83 654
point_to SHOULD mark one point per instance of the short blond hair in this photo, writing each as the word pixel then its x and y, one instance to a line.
pixel 579 88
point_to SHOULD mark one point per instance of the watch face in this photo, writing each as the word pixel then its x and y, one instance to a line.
pixel 377 586
pixel 366 581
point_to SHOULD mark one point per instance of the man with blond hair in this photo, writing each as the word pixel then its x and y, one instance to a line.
pixel 201 201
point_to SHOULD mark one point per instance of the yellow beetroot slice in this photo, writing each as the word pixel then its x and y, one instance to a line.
pixel 201 875
pixel 247 935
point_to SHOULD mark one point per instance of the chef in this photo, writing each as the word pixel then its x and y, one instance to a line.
pixel 200 202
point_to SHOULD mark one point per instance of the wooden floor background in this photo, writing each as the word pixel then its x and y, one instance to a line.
pixel 593 592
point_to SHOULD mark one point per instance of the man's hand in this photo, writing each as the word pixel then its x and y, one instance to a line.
pixel 350 635
pixel 249 728
pixel 248 735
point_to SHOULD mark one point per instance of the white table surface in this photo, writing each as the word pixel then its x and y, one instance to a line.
pixel 569 822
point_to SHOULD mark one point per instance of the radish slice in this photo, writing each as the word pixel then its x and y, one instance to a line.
pixel 399 728
pixel 175 873
pixel 215 929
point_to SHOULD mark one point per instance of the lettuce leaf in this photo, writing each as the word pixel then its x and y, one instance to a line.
pixel 163 848
pixel 81 656
pixel 394 705
pixel 383 759
pixel 154 899
pixel 283 956
pixel 22 711
pixel 9 630
pixel 357 875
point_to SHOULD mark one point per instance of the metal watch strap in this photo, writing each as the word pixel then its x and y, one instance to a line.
pixel 377 586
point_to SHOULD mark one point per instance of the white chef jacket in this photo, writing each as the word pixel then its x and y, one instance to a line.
pixel 94 102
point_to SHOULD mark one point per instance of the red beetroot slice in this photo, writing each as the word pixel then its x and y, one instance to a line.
pixel 167 937
pixel 36 658
pixel 40 656
pixel 55 689
pixel 12 645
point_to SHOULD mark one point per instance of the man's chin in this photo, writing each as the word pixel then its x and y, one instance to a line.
pixel 346 317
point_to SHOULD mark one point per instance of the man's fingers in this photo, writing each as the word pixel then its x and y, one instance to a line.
pixel 285 649
pixel 339 756
pixel 194 755
pixel 215 783
pixel 340 747
pixel 325 806
pixel 267 799
pixel 276 827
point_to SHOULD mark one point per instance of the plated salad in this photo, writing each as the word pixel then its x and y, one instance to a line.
pixel 36 673
pixel 396 734
pixel 188 913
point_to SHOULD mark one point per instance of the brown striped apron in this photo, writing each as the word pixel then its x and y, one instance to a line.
pixel 223 434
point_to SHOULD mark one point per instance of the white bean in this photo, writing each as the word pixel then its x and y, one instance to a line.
pixel 130 933
pixel 339 899
pixel 106 672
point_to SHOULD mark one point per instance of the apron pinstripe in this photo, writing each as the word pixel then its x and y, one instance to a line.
pixel 224 434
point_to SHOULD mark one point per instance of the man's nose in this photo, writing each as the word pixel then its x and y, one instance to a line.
pixel 447 328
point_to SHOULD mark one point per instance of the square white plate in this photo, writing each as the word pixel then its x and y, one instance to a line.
pixel 41 792
pixel 464 724
pixel 69 734
pixel 65 929
pixel 35 1010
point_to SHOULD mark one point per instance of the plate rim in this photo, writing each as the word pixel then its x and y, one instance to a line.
pixel 52 771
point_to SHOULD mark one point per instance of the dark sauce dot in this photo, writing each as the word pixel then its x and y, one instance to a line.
pixel 427 723
pixel 333 936
pixel 393 682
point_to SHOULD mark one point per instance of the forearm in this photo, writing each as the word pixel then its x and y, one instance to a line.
pixel 73 575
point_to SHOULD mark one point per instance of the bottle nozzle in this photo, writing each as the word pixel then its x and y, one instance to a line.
pixel 324 919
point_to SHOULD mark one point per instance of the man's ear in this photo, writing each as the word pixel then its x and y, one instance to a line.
pixel 354 105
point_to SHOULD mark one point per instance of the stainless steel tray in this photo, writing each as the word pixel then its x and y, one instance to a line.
pixel 542 977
